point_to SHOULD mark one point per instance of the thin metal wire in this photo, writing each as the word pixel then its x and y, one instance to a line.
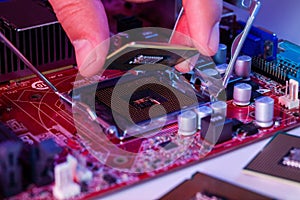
pixel 176 24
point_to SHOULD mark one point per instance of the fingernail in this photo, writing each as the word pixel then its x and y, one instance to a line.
pixel 213 42
pixel 85 56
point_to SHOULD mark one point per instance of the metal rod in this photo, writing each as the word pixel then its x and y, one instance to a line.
pixel 176 24
pixel 253 12
pixel 77 106
pixel 33 69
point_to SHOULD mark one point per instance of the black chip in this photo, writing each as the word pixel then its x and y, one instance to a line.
pixel 236 124
pixel 249 128
pixel 109 178
pixel 168 145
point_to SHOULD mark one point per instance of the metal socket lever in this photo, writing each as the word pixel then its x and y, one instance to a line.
pixel 78 107
pixel 253 6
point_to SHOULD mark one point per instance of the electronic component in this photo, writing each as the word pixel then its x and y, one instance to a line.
pixel 168 145
pixel 285 67
pixel 290 100
pixel 144 59
pixel 211 188
pixel 236 124
pixel 10 168
pixel 109 179
pixel 65 187
pixel 264 111
pixel 293 158
pixel 248 129
pixel 221 56
pixel 153 93
pixel 42 162
pixel 202 112
pixel 130 102
pixel 242 67
pixel 187 123
pixel 33 28
pixel 120 149
pixel 219 107
pixel 242 94
pixel 216 129
pixel 6 134
pixel 274 159
pixel 222 68
pixel 134 54
pixel 260 43
pixel 211 72
pixel 11 179
pixel 200 196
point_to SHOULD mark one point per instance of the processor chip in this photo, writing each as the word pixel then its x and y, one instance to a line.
pixel 145 59
pixel 293 158
pixel 146 98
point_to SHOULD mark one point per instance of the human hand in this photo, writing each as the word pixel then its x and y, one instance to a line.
pixel 86 25
pixel 200 23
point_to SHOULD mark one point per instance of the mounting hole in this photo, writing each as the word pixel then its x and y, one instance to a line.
pixel 35 97
pixel 120 160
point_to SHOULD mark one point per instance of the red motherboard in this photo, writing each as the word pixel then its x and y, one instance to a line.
pixel 34 113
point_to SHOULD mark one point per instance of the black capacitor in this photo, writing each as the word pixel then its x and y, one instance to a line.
pixel 216 129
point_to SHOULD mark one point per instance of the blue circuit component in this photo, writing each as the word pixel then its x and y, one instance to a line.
pixel 288 59
pixel 285 67
pixel 260 43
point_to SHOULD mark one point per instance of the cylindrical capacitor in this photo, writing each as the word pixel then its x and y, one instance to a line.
pixel 264 111
pixel 220 56
pixel 219 107
pixel 242 94
pixel 202 112
pixel 187 123
pixel 211 72
pixel 222 68
pixel 242 66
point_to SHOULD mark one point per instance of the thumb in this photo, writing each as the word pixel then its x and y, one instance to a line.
pixel 85 23
pixel 203 23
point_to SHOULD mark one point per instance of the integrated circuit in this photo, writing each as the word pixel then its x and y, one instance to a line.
pixel 293 158
pixel 144 59
pixel 145 98
pixel 280 158
pixel 168 145
pixel 286 65
pixel 134 104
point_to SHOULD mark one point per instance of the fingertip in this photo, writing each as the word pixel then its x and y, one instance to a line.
pixel 90 59
pixel 188 64
pixel 203 20
pixel 213 42
pixel 86 25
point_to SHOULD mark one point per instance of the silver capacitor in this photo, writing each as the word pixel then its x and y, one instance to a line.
pixel 220 56
pixel 211 72
pixel 222 68
pixel 242 94
pixel 187 123
pixel 264 111
pixel 202 112
pixel 219 107
pixel 242 66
